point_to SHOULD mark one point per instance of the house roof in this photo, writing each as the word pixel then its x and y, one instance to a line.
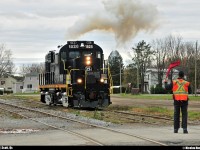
pixel 156 70
pixel 7 76
pixel 32 74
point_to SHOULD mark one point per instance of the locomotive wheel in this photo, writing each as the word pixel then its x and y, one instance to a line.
pixel 48 99
pixel 65 101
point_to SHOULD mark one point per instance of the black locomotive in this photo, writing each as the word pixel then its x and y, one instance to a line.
pixel 76 76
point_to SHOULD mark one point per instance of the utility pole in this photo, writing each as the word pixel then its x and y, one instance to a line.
pixel 137 75
pixel 195 87
pixel 120 77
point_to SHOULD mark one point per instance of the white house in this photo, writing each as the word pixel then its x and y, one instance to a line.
pixel 18 87
pixel 7 83
pixel 151 78
pixel 31 82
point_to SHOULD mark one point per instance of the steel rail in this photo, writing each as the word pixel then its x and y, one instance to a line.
pixel 93 125
pixel 68 131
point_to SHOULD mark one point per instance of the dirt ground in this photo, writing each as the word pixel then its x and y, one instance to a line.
pixel 193 105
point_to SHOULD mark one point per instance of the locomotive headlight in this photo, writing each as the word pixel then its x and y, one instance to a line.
pixel 102 80
pixel 88 60
pixel 79 81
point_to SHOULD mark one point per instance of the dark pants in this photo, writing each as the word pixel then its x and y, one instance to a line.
pixel 180 106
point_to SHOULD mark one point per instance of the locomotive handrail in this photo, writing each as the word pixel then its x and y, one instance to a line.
pixel 68 89
pixel 110 77
pixel 111 81
pixel 68 71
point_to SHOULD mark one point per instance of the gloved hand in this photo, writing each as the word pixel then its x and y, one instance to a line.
pixel 165 80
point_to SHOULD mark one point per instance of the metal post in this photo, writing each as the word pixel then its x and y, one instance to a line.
pixel 195 87
pixel 137 75
pixel 120 77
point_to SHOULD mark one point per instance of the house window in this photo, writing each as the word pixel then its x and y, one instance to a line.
pixel 21 87
pixel 29 86
pixel 3 82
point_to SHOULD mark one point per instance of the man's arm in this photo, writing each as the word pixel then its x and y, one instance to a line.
pixel 189 90
pixel 168 86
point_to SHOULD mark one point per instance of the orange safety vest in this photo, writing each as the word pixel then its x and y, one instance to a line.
pixel 180 89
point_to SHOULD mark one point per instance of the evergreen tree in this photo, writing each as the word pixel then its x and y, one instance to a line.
pixel 115 62
pixel 143 58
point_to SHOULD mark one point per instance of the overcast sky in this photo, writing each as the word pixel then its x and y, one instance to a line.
pixel 30 28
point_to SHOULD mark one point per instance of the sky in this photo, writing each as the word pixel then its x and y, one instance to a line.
pixel 31 28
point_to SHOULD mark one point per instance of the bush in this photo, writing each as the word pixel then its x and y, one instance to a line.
pixel 8 92
pixel 1 92
pixel 117 90
pixel 135 91
pixel 159 90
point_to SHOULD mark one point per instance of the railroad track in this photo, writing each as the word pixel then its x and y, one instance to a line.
pixel 132 116
pixel 144 118
pixel 32 114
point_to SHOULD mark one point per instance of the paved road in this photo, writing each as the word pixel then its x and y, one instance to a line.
pixel 54 137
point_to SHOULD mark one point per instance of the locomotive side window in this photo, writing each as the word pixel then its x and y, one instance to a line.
pixel 74 54
pixel 98 54
pixel 63 56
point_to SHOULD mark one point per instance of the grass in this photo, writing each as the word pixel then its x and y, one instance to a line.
pixel 192 115
pixel 21 97
pixel 119 108
pixel 154 96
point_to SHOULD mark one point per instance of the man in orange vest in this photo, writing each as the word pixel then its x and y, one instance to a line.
pixel 180 88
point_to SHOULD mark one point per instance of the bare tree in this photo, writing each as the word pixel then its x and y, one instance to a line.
pixel 174 45
pixel 161 55
pixel 168 50
pixel 188 63
pixel 6 63
pixel 172 48
pixel 35 67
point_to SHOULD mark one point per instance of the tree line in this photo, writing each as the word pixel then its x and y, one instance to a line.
pixel 7 67
pixel 157 54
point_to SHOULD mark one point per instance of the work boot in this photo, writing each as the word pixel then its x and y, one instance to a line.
pixel 175 130
pixel 185 131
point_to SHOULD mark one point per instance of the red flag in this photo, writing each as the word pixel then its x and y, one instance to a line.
pixel 172 65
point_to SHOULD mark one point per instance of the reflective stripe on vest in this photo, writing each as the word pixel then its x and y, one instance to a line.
pixel 180 89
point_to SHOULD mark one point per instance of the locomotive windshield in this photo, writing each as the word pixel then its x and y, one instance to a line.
pixel 74 54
